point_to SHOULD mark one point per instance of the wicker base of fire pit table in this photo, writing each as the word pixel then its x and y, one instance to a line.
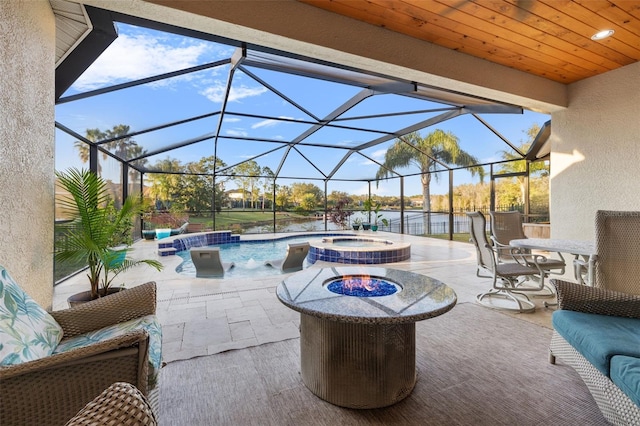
pixel 359 352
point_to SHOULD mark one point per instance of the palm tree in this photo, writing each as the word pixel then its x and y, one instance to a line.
pixel 426 152
pixel 123 146
pixel 94 135
pixel 515 166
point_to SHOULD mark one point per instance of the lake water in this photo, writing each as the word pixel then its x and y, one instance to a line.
pixel 413 221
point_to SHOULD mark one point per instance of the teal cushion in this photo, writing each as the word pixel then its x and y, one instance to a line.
pixel 599 337
pixel 27 332
pixel 625 373
pixel 149 323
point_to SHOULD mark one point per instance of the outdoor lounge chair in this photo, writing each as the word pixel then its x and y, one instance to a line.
pixel 207 262
pixel 52 364
pixel 293 259
pixel 506 275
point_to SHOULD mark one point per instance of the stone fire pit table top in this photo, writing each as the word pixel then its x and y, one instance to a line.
pixel 419 297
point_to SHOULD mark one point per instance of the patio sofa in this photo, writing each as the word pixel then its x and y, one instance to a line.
pixel 597 332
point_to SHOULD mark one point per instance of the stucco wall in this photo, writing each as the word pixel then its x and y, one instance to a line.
pixel 27 47
pixel 595 160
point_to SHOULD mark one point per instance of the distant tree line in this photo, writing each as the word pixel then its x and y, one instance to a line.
pixel 190 187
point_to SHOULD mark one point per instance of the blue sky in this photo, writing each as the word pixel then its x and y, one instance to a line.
pixel 139 53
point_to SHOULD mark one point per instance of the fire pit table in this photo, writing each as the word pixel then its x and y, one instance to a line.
pixel 357 330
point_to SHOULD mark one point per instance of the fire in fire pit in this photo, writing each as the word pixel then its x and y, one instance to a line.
pixel 362 286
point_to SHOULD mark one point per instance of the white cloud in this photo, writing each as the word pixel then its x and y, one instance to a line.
pixel 382 189
pixel 216 92
pixel 379 154
pixel 231 119
pixel 264 123
pixel 133 57
pixel 269 123
pixel 237 132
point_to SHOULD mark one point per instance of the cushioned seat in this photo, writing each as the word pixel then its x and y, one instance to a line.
pixel 52 364
pixel 149 323
pixel 625 373
pixel 599 337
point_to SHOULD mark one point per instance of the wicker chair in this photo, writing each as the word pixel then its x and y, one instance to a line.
pixel 616 264
pixel 120 404
pixel 506 276
pixel 52 389
pixel 615 292
pixel 615 406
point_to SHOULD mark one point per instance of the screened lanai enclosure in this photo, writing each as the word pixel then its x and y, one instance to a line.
pixel 227 135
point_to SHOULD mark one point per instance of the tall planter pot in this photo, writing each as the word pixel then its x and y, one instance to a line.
pixel 85 296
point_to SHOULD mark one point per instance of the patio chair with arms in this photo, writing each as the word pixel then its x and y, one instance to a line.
pixel 507 226
pixel 52 364
pixel 616 264
pixel 506 275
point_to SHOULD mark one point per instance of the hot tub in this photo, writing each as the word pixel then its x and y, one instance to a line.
pixel 357 250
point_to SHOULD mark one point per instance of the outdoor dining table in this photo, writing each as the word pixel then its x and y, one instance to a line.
pixel 577 248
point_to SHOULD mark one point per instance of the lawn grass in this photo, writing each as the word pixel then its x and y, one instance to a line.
pixel 227 218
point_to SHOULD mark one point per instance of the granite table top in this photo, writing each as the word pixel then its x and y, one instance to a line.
pixel 419 297
pixel 577 247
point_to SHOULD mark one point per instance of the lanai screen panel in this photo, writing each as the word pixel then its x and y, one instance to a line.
pixel 245 105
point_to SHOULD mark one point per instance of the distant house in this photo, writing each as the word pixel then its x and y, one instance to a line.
pixel 235 197
pixel 416 201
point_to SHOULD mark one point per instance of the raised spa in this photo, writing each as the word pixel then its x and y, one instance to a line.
pixel 357 250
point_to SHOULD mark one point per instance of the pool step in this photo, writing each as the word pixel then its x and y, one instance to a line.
pixel 168 251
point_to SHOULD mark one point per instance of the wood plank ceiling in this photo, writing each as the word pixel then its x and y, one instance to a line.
pixel 548 38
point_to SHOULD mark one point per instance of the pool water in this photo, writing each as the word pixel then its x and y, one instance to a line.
pixel 248 256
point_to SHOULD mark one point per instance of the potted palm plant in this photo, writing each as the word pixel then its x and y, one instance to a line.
pixel 367 207
pixel 378 217
pixel 96 229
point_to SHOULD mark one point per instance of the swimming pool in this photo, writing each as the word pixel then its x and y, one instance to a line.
pixel 248 256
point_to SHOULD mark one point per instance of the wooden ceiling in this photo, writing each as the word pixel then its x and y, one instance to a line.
pixel 548 38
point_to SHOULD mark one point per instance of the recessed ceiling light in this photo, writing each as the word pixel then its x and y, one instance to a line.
pixel 602 34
